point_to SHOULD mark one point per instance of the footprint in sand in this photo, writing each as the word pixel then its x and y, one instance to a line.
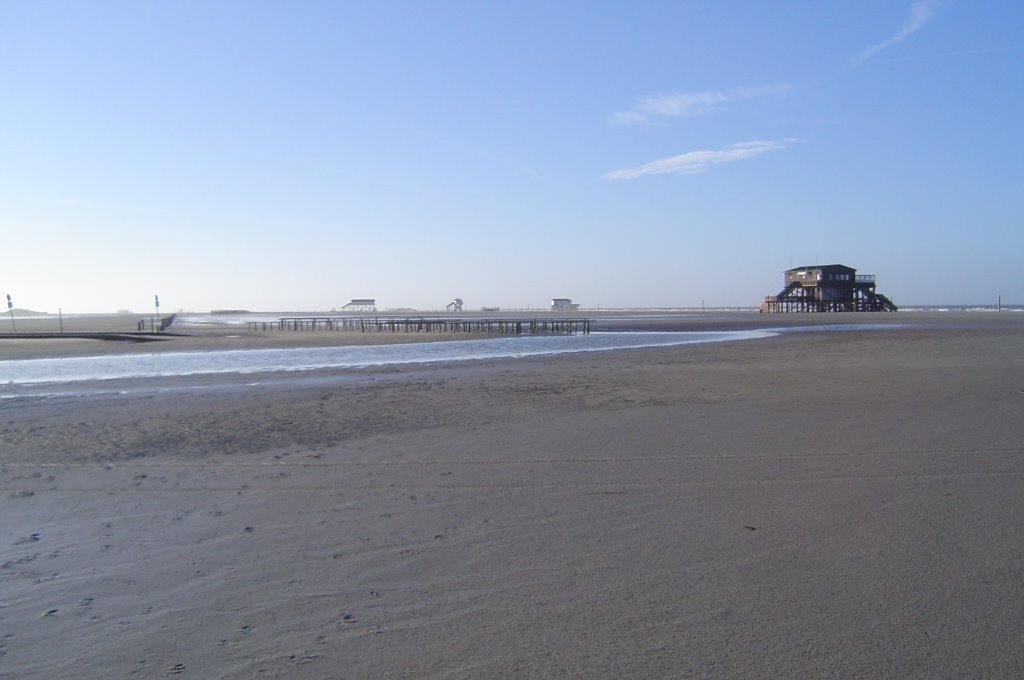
pixel 31 538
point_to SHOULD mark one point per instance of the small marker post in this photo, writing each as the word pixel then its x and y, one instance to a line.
pixel 10 308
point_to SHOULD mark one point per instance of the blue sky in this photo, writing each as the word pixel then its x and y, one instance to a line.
pixel 274 156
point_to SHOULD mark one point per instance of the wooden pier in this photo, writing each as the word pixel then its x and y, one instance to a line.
pixel 424 325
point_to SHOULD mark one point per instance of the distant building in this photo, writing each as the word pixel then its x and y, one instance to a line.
pixel 455 305
pixel 563 305
pixel 827 288
pixel 361 305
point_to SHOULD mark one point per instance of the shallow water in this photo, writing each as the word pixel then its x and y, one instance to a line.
pixel 166 364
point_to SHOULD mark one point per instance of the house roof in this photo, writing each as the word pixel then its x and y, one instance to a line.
pixel 822 267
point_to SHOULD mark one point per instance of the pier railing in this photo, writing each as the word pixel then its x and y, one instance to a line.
pixel 424 325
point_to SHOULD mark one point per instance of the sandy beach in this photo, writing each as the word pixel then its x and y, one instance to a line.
pixel 820 504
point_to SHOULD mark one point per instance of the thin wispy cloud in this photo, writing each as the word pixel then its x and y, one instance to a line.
pixel 693 162
pixel 526 170
pixel 506 163
pixel 920 12
pixel 691 104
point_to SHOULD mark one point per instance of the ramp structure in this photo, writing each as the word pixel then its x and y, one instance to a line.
pixel 827 288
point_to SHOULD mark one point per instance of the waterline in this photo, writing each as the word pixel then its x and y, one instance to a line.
pixel 168 364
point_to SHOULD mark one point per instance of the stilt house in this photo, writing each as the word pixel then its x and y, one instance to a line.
pixel 564 305
pixel 827 288
pixel 361 305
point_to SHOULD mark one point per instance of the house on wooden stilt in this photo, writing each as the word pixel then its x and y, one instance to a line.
pixel 827 288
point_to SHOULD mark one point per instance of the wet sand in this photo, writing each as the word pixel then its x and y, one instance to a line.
pixel 817 504
pixel 180 337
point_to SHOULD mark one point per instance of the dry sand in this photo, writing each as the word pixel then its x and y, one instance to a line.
pixel 830 505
